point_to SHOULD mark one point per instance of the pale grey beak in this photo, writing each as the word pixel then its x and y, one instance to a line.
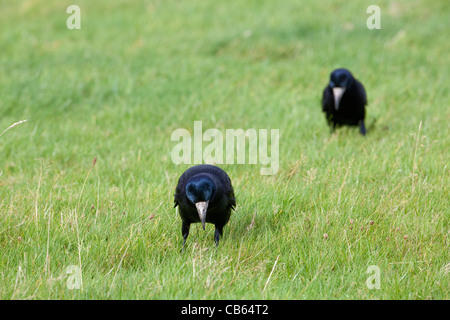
pixel 202 206
pixel 337 93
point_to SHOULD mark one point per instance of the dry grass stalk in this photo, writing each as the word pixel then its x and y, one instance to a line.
pixel 12 126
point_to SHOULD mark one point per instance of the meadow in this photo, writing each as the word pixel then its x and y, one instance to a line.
pixel 87 182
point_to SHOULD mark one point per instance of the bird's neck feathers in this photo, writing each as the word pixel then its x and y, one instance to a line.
pixel 200 188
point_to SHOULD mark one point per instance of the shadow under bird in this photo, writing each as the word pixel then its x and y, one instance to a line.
pixel 344 101
pixel 204 194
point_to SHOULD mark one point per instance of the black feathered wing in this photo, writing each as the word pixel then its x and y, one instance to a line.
pixel 327 99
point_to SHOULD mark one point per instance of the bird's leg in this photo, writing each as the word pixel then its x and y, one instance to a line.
pixel 362 128
pixel 332 127
pixel 218 234
pixel 330 123
pixel 185 232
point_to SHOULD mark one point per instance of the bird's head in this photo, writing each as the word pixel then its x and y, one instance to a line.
pixel 340 80
pixel 200 190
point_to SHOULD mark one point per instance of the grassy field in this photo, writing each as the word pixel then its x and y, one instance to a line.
pixel 116 89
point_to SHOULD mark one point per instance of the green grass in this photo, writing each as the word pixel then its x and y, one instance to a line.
pixel 116 90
